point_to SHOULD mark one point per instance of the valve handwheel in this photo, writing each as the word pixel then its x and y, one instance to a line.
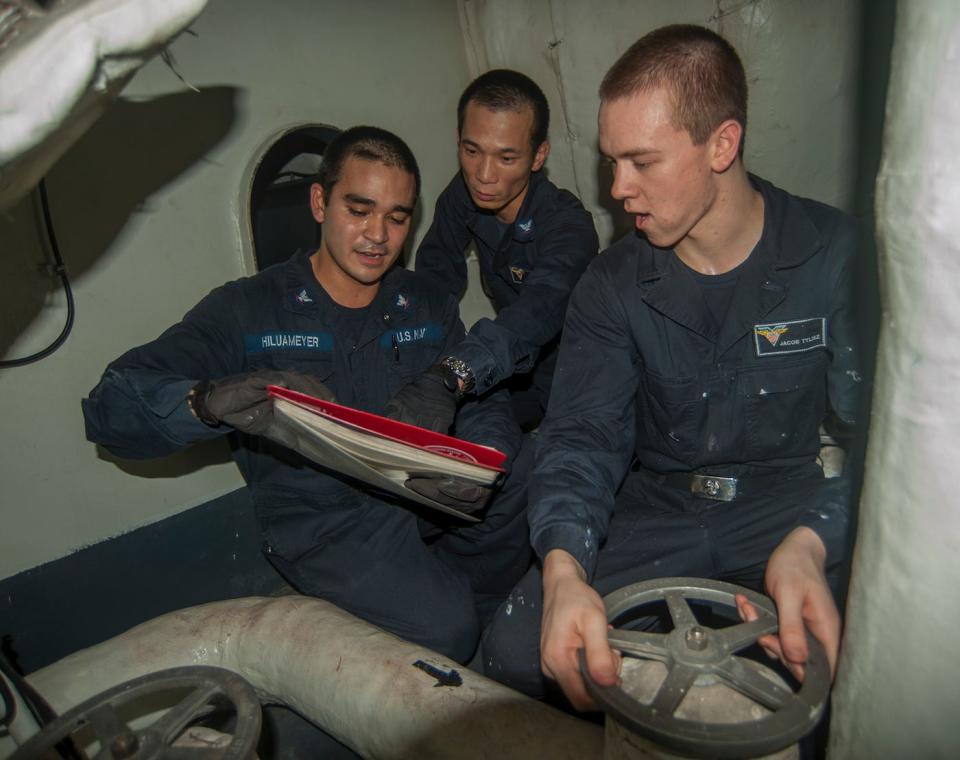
pixel 207 689
pixel 693 650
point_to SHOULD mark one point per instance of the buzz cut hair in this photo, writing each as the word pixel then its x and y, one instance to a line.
pixel 700 69
pixel 370 144
pixel 508 90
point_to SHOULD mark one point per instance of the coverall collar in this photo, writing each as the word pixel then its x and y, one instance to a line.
pixel 788 239
pixel 522 230
pixel 392 304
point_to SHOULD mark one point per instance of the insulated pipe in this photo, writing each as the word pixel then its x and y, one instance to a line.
pixel 898 690
pixel 23 725
pixel 353 680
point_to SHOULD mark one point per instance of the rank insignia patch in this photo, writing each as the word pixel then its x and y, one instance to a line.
pixel 517 274
pixel 524 230
pixel 402 302
pixel 790 337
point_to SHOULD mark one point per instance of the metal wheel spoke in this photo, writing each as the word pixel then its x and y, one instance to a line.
pixel 674 688
pixel 753 684
pixel 107 724
pixel 680 611
pixel 651 646
pixel 736 637
pixel 171 725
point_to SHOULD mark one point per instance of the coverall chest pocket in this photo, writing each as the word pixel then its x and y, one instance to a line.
pixel 674 413
pixel 317 364
pixel 784 404
pixel 516 268
pixel 406 361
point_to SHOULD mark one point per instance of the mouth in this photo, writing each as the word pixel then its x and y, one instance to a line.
pixel 641 220
pixel 483 197
pixel 371 258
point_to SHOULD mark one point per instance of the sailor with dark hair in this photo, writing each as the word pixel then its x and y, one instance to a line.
pixel 533 239
pixel 326 323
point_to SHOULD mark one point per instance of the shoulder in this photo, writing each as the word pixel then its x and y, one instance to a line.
pixel 616 268
pixel 417 291
pixel 554 205
pixel 794 211
pixel 454 198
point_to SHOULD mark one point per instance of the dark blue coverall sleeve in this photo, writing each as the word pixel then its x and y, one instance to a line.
pixel 441 256
pixel 848 396
pixel 586 442
pixel 138 410
pixel 496 349
pixel 486 419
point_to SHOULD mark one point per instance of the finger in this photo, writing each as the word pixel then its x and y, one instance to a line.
pixel 601 661
pixel 823 619
pixel 792 634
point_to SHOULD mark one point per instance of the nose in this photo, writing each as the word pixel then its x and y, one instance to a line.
pixel 375 229
pixel 621 187
pixel 486 171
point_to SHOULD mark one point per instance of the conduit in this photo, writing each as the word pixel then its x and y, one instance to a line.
pixel 353 680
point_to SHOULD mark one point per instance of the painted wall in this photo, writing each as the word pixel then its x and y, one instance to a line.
pixel 146 204
pixel 801 60
pixel 145 210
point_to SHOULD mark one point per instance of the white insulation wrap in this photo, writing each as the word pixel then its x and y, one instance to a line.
pixel 63 68
pixel 353 680
pixel 898 692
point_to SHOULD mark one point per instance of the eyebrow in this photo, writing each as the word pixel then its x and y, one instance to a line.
pixel 361 200
pixel 502 151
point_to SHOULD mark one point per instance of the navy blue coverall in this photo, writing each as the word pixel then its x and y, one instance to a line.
pixel 527 270
pixel 644 379
pixel 327 536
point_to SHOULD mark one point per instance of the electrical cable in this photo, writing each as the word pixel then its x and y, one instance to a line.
pixel 9 708
pixel 59 269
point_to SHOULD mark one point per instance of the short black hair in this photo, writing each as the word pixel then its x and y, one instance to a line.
pixel 370 144
pixel 508 90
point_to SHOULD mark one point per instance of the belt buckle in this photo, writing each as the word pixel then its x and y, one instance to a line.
pixel 713 487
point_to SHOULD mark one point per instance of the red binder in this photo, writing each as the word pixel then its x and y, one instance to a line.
pixel 401 432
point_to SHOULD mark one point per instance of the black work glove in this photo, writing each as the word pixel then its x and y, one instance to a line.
pixel 241 401
pixel 455 492
pixel 430 401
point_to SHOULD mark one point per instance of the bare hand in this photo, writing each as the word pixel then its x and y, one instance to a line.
pixel 574 618
pixel 795 579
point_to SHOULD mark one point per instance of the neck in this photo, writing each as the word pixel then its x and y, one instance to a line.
pixel 342 288
pixel 508 214
pixel 729 231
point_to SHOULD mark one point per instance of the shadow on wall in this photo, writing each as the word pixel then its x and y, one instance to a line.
pixel 134 150
pixel 197 457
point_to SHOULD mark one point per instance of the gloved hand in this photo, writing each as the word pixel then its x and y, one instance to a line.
pixel 241 401
pixel 430 401
pixel 455 492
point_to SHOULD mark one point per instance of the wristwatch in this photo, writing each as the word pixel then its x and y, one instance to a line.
pixel 460 371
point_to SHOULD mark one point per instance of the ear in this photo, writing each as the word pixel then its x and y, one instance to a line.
pixel 317 202
pixel 725 145
pixel 540 156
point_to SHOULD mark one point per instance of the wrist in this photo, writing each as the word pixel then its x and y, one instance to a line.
pixel 196 403
pixel 559 565
pixel 460 370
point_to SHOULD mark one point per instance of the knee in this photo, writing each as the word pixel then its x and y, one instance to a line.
pixel 511 647
pixel 453 631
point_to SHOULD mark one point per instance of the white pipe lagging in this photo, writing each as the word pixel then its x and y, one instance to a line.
pixel 353 680
pixel 897 691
